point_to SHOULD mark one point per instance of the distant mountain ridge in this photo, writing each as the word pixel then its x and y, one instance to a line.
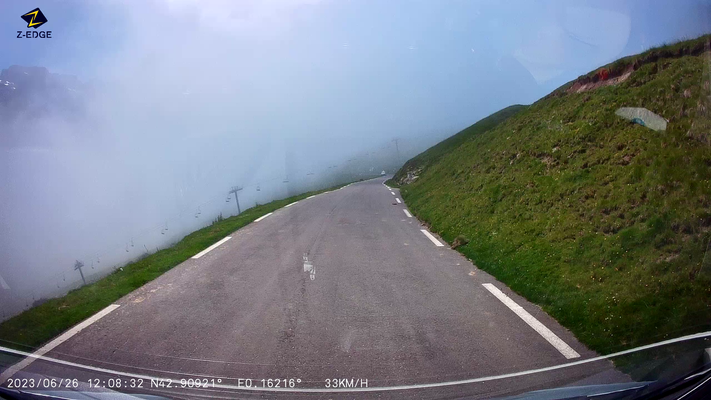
pixel 22 87
pixel 31 94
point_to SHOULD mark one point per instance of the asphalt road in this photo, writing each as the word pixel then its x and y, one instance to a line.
pixel 385 305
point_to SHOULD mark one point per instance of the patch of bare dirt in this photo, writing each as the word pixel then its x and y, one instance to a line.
pixel 581 86
pixel 621 72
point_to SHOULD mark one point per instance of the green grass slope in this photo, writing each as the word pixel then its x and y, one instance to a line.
pixel 432 155
pixel 38 325
pixel 602 222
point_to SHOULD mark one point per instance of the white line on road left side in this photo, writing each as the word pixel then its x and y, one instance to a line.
pixel 311 197
pixel 213 247
pixel 432 238
pixel 398 200
pixel 8 373
pixel 407 213
pixel 262 217
pixel 547 334
pixel 290 204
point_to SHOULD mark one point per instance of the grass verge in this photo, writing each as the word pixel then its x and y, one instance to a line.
pixel 392 183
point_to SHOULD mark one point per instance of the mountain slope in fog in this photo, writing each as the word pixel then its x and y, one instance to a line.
pixel 29 96
pixel 602 222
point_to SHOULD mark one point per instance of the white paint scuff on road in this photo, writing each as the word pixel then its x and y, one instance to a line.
pixel 8 373
pixel 398 200
pixel 547 334
pixel 290 204
pixel 432 238
pixel 309 267
pixel 3 284
pixel 262 217
pixel 407 213
pixel 213 247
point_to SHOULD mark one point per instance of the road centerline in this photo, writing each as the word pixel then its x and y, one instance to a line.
pixel 542 330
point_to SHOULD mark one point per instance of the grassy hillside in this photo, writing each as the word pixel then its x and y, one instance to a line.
pixel 602 222
pixel 38 325
pixel 420 162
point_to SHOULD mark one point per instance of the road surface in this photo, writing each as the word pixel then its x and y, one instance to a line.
pixel 343 285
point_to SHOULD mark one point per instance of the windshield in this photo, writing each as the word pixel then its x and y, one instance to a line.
pixel 355 199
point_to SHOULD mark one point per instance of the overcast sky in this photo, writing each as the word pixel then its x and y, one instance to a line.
pixel 398 64
pixel 201 95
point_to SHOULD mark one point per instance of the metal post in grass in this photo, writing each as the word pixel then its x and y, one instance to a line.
pixel 234 190
pixel 397 149
pixel 78 266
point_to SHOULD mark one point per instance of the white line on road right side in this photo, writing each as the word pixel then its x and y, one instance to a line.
pixel 213 247
pixel 432 238
pixel 407 213
pixel 398 200
pixel 311 197
pixel 262 217
pixel 290 204
pixel 8 373
pixel 547 334
pixel 392 193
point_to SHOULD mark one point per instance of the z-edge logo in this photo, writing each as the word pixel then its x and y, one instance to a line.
pixel 34 18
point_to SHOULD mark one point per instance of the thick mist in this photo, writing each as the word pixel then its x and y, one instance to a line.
pixel 186 99
pixel 189 105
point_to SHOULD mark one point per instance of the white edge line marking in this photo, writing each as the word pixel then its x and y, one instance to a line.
pixel 398 200
pixel 39 353
pixel 547 334
pixel 379 389
pixel 213 247
pixel 3 284
pixel 311 197
pixel 290 204
pixel 407 213
pixel 392 193
pixel 432 238
pixel 262 217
